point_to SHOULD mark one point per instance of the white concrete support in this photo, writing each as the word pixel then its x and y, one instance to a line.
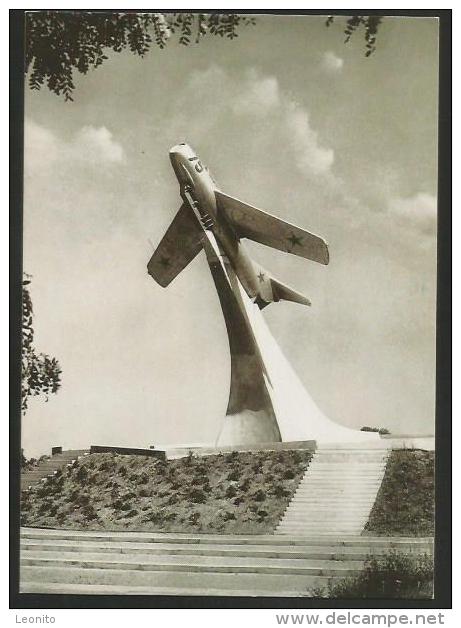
pixel 267 401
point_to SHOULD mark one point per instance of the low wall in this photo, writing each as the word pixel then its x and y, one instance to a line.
pixel 181 451
pixel 133 451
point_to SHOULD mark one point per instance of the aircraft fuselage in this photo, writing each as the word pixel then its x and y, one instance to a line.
pixel 196 181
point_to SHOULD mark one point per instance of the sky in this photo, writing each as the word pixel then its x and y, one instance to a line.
pixel 290 119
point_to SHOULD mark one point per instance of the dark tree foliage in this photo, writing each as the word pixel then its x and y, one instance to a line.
pixel 369 22
pixel 59 42
pixel 41 375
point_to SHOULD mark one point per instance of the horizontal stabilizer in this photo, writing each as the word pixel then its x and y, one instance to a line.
pixel 178 247
pixel 258 225
pixel 285 293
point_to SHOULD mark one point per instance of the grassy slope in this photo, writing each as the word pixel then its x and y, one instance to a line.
pixel 244 493
pixel 405 502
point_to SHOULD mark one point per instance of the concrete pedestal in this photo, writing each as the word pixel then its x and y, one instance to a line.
pixel 267 401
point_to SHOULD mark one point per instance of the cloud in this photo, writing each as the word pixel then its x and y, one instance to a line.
pixel 257 100
pixel 331 62
pixel 261 95
pixel 310 155
pixel 97 145
pixel 90 145
pixel 418 211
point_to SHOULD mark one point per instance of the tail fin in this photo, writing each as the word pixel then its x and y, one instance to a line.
pixel 271 289
pixel 281 292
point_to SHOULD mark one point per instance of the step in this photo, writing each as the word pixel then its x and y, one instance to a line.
pixel 333 524
pixel 332 506
pixel 338 502
pixel 330 467
pixel 341 488
pixel 312 516
pixel 331 503
pixel 312 529
pixel 351 458
pixel 114 589
pixel 327 552
pixel 372 447
pixel 272 584
pixel 177 537
pixel 330 489
pixel 352 477
pixel 334 473
pixel 207 564
pixel 331 494
pixel 321 523
pixel 340 481
pixel 320 458
pixel 318 531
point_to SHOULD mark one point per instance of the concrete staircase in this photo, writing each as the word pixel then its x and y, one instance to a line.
pixel 50 466
pixel 142 563
pixel 337 492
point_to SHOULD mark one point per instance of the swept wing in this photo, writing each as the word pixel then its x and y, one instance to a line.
pixel 258 225
pixel 178 247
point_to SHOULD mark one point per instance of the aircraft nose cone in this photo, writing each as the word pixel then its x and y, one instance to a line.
pixel 174 154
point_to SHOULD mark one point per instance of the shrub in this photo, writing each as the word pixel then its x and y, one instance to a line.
pixel 234 475
pixel 82 474
pixel 289 474
pixel 44 490
pixel 231 457
pixel 296 457
pixel 189 458
pixel 245 485
pixel 82 499
pixel 53 510
pixel 280 491
pixel 73 495
pixel 155 517
pixel 197 496
pixel 228 515
pixel 132 513
pixel 197 480
pixel 194 517
pixel 122 471
pixel 380 430
pixel 44 507
pixel 231 491
pixel 143 492
pixel 89 512
pixel 92 479
pixel 259 496
pixel 395 575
